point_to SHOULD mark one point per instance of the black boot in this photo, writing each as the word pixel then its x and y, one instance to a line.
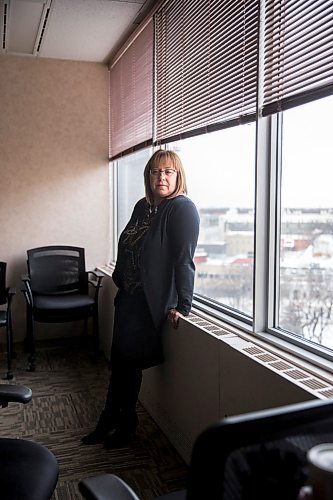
pixel 124 433
pixel 104 425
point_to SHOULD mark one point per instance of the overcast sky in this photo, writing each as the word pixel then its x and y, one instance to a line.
pixel 228 163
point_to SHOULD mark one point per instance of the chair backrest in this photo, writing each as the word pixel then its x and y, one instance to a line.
pixel 259 455
pixel 3 294
pixel 57 270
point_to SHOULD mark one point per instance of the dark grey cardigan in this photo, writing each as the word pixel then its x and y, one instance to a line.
pixel 167 267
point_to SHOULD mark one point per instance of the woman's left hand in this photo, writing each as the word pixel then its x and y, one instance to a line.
pixel 173 317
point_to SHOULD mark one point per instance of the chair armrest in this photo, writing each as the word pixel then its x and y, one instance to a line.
pixel 106 487
pixel 98 278
pixel 26 290
pixel 97 274
pixel 96 283
pixel 10 294
pixel 11 393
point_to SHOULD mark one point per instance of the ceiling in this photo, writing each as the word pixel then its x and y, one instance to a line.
pixel 79 30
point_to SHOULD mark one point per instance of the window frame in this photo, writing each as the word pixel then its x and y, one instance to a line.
pixel 273 288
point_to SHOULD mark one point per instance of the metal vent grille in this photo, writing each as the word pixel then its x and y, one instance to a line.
pixel 288 369
pixel 314 384
pixel 207 325
pixel 281 365
pixel 328 393
pixel 23 25
pixel 253 350
pixel 266 357
pixel 297 374
pixel 42 33
pixel 4 15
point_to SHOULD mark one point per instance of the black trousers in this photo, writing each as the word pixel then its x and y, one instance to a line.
pixel 123 392
pixel 136 339
pixel 136 345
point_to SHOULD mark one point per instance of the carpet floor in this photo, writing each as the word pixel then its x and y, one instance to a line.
pixel 68 395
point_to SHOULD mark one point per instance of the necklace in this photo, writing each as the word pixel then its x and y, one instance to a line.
pixel 153 210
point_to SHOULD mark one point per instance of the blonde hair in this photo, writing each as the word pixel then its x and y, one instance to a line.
pixel 156 159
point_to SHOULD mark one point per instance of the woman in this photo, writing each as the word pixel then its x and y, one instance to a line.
pixel 154 274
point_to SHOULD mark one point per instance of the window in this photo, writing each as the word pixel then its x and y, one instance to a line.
pixel 130 184
pixel 305 287
pixel 221 182
pixel 256 146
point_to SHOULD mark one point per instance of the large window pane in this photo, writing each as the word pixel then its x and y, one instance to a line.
pixel 130 185
pixel 220 170
pixel 306 237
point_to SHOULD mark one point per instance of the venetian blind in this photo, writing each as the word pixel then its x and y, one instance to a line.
pixel 298 52
pixel 131 96
pixel 206 65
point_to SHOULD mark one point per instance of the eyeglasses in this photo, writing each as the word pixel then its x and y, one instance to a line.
pixel 168 172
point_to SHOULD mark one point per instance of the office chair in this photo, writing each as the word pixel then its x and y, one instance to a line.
pixel 6 296
pixel 28 470
pixel 256 456
pixel 56 290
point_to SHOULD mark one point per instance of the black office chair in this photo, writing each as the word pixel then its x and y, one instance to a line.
pixel 6 296
pixel 57 290
pixel 28 470
pixel 255 456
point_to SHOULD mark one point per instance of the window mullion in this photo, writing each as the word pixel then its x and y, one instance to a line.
pixel 274 222
pixel 114 207
pixel 262 220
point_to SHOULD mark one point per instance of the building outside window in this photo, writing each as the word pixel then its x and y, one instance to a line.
pixel 305 287
pixel 221 182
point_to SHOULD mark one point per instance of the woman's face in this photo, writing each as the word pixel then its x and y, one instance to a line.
pixel 163 179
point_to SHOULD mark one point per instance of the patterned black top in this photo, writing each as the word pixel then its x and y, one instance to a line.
pixel 161 262
pixel 130 244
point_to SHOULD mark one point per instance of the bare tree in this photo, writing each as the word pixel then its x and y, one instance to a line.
pixel 309 312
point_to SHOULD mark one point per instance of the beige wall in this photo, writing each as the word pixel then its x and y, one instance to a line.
pixel 53 162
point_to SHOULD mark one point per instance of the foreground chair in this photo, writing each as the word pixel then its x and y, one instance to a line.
pixel 6 296
pixel 56 289
pixel 255 456
pixel 28 470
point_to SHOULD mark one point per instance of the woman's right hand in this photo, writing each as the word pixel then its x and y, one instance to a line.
pixel 173 317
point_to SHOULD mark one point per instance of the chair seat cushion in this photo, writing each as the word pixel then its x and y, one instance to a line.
pixel 28 470
pixel 63 302
pixel 3 318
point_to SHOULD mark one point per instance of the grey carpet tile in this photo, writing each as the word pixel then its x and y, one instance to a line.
pixel 66 490
pixel 68 394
